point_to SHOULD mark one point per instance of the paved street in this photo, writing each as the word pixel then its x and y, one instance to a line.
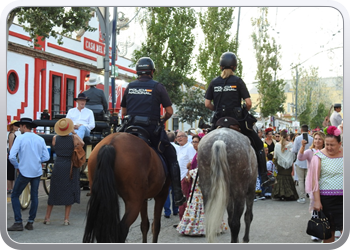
pixel 274 222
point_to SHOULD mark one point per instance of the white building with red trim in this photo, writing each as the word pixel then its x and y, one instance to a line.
pixel 50 76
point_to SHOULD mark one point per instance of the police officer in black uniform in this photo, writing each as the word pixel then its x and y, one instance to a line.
pixel 227 92
pixel 141 102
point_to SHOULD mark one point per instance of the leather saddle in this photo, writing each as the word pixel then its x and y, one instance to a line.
pixel 144 135
pixel 139 132
pixel 228 122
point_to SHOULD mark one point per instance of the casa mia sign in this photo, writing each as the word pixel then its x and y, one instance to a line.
pixel 96 47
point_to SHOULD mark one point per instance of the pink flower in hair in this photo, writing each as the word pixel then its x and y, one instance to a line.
pixel 201 134
pixel 330 130
pixel 337 132
pixel 333 130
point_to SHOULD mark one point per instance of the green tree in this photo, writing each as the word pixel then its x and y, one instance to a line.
pixel 41 21
pixel 169 43
pixel 318 119
pixel 192 107
pixel 312 96
pixel 216 23
pixel 271 90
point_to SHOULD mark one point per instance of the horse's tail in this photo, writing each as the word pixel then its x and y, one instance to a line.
pixel 103 220
pixel 218 196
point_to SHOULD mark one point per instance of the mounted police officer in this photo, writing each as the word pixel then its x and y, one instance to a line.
pixel 141 102
pixel 227 92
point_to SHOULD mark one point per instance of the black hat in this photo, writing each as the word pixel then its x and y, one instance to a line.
pixel 26 121
pixel 226 122
pixel 82 96
pixel 337 105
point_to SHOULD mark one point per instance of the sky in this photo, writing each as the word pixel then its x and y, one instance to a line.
pixel 312 36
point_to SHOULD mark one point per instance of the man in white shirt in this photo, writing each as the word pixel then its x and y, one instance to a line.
pixel 336 118
pixel 83 118
pixel 185 153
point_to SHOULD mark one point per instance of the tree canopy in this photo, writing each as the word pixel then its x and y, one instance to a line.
pixel 216 23
pixel 170 42
pixel 271 90
pixel 41 21
pixel 192 107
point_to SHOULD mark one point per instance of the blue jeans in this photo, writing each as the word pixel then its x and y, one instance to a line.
pixel 82 131
pixel 167 210
pixel 20 184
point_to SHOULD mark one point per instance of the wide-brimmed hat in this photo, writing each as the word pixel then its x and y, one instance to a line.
pixel 94 81
pixel 64 126
pixel 10 124
pixel 25 121
pixel 196 131
pixel 82 96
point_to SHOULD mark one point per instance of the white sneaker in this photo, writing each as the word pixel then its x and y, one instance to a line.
pixel 337 234
pixel 301 200
pixel 313 238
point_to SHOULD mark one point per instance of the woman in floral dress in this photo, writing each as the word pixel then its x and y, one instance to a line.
pixel 192 222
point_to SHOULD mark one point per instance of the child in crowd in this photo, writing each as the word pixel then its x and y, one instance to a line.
pixel 271 169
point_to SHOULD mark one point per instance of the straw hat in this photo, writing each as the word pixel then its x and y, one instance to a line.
pixel 10 124
pixel 64 126
pixel 196 131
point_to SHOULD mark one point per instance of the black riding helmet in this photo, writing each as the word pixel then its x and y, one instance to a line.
pixel 228 60
pixel 145 65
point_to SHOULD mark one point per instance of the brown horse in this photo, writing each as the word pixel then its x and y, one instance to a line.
pixel 123 165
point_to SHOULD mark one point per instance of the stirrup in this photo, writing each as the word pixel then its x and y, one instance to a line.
pixel 268 182
pixel 180 202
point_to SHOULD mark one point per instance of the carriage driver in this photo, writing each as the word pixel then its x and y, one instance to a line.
pixel 141 101
pixel 227 92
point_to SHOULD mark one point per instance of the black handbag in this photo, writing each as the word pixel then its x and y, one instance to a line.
pixel 319 226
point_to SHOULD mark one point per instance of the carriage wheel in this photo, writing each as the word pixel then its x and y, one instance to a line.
pixel 24 198
pixel 46 177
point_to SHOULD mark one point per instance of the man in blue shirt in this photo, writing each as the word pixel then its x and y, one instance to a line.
pixel 32 151
pixel 301 166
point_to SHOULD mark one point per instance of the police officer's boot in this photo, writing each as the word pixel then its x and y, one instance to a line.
pixel 265 179
pixel 174 170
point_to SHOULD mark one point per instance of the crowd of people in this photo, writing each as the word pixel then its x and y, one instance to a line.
pixel 291 166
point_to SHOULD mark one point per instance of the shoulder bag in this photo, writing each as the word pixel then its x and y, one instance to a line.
pixel 319 226
pixel 78 156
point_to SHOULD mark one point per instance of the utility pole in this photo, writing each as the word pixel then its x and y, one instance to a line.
pixel 239 14
pixel 114 45
pixel 105 25
pixel 296 93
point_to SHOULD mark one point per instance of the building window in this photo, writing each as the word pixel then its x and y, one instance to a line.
pixel 70 94
pixel 12 82
pixel 56 95
pixel 175 124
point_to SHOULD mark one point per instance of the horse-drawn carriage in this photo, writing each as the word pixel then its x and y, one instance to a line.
pixel 104 125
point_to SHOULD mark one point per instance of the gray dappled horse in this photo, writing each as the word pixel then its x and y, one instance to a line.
pixel 227 167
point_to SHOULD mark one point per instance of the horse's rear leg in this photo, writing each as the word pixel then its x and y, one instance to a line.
pixel 132 210
pixel 248 216
pixel 235 211
pixel 159 201
pixel 144 222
